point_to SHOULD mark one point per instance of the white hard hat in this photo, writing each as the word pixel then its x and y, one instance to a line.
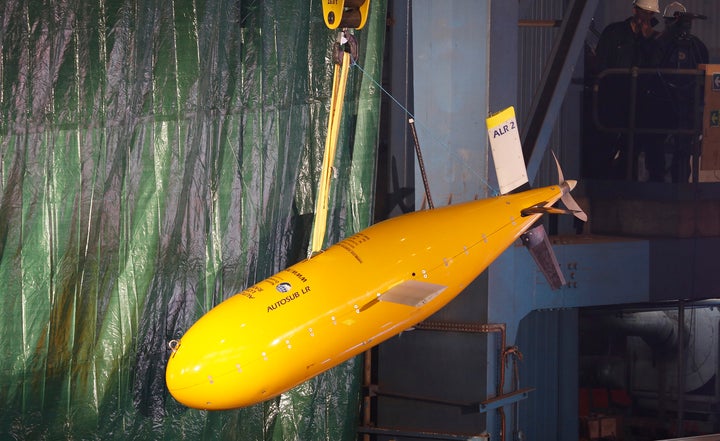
pixel 648 5
pixel 674 8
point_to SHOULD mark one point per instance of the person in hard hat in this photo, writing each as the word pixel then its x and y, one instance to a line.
pixel 680 50
pixel 632 42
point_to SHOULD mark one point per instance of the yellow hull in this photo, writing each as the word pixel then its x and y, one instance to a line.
pixel 352 296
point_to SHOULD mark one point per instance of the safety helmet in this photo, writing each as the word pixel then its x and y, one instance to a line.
pixel 648 5
pixel 674 8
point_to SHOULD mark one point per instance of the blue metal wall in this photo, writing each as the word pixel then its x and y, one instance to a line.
pixel 450 59
pixel 549 340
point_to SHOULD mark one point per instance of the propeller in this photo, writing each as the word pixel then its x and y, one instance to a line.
pixel 566 197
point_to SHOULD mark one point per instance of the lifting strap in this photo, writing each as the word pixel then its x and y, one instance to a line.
pixel 323 194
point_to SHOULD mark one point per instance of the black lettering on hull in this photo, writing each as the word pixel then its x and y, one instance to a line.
pixel 288 298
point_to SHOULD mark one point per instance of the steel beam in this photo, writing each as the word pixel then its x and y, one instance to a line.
pixel 556 78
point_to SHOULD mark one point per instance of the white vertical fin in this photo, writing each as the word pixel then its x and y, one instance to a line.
pixel 506 150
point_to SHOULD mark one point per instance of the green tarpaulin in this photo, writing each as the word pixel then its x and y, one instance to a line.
pixel 155 158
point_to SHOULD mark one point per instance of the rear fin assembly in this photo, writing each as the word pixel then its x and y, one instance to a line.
pixel 511 174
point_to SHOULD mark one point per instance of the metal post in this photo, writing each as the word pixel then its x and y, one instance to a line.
pixel 681 369
pixel 421 164
pixel 695 145
pixel 631 125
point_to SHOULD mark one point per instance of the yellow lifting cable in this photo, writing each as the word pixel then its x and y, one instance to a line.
pixel 323 194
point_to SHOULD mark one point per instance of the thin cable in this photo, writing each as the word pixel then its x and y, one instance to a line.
pixel 493 190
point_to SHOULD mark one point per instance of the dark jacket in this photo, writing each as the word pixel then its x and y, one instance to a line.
pixel 620 47
pixel 683 51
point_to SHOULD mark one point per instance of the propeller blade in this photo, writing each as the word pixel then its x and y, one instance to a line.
pixel 567 198
pixel 573 206
pixel 561 179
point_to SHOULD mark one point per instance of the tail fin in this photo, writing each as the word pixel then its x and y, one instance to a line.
pixel 538 244
pixel 506 150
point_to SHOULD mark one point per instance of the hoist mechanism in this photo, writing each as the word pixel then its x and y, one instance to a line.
pixel 345 13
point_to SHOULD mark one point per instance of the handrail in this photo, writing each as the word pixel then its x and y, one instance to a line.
pixel 632 129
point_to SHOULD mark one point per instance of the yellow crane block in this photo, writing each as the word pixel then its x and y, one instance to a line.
pixel 345 13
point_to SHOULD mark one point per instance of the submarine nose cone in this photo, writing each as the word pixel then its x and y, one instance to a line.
pixel 186 378
pixel 207 369
pixel 198 366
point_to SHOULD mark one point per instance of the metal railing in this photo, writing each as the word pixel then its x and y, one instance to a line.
pixel 632 128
